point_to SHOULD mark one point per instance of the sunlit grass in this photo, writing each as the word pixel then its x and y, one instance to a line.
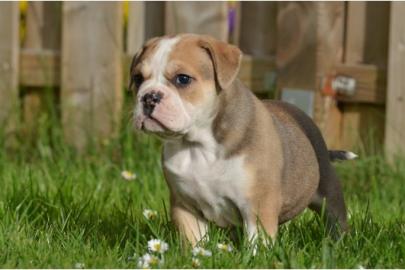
pixel 61 210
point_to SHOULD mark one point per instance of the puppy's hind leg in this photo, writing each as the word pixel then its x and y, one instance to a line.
pixel 330 192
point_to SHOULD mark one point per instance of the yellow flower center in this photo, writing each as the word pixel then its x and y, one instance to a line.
pixel 154 261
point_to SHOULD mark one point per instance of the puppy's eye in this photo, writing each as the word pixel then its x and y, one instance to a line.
pixel 138 80
pixel 182 80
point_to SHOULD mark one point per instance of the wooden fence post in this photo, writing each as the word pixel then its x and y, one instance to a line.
pixel 366 43
pixel 198 17
pixel 91 71
pixel 309 44
pixel 145 20
pixel 262 42
pixel 43 33
pixel 258 34
pixel 154 19
pixel 136 27
pixel 9 55
pixel 395 123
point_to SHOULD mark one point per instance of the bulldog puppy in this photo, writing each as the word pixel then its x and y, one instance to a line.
pixel 228 157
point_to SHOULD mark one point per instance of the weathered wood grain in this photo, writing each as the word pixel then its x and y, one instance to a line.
pixel 197 17
pixel 9 53
pixel 136 26
pixel 43 34
pixel 91 71
pixel 258 35
pixel 154 19
pixel 395 121
pixel 366 43
pixel 309 45
pixel 39 69
pixel 370 83
pixel 43 68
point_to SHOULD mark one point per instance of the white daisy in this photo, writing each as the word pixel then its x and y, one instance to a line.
pixel 199 251
pixel 195 263
pixel 149 214
pixel 142 264
pixel 224 247
pixel 156 245
pixel 127 175
pixel 79 265
pixel 148 261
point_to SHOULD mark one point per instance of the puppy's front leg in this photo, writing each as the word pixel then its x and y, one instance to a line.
pixel 191 226
pixel 260 230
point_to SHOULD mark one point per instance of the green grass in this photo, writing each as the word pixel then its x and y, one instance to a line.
pixel 58 209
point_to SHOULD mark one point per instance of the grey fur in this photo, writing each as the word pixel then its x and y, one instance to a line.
pixel 329 190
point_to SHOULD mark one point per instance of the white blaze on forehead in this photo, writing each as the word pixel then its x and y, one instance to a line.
pixel 158 61
pixel 171 111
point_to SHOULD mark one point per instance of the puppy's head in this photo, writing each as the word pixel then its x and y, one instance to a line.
pixel 177 80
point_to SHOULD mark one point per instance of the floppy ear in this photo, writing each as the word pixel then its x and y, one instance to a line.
pixel 226 59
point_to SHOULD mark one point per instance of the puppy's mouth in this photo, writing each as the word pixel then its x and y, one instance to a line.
pixel 150 124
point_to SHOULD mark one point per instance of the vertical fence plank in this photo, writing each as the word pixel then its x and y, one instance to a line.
pixel 355 34
pixel 146 20
pixel 43 26
pixel 366 43
pixel 258 35
pixel 136 27
pixel 43 32
pixel 9 51
pixel 395 124
pixel 91 71
pixel 309 44
pixel 198 17
pixel 329 53
pixel 154 19
pixel 260 43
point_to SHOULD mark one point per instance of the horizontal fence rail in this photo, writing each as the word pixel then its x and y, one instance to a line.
pixel 42 68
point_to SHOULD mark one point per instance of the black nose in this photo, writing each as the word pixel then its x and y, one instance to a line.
pixel 149 101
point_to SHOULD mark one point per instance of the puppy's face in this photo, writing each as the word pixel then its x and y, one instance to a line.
pixel 177 80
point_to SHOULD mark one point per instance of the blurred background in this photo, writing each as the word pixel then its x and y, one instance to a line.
pixel 65 64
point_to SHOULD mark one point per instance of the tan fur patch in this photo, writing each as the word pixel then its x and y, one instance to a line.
pixel 190 59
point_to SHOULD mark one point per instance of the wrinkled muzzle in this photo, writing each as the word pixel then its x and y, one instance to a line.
pixel 159 110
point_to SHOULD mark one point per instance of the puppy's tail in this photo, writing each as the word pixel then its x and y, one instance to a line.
pixel 335 155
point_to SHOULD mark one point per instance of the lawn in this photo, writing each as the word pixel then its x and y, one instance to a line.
pixel 61 210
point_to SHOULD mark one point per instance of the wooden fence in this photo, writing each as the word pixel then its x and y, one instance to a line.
pixel 342 62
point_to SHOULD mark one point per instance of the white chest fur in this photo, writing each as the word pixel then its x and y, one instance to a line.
pixel 207 183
